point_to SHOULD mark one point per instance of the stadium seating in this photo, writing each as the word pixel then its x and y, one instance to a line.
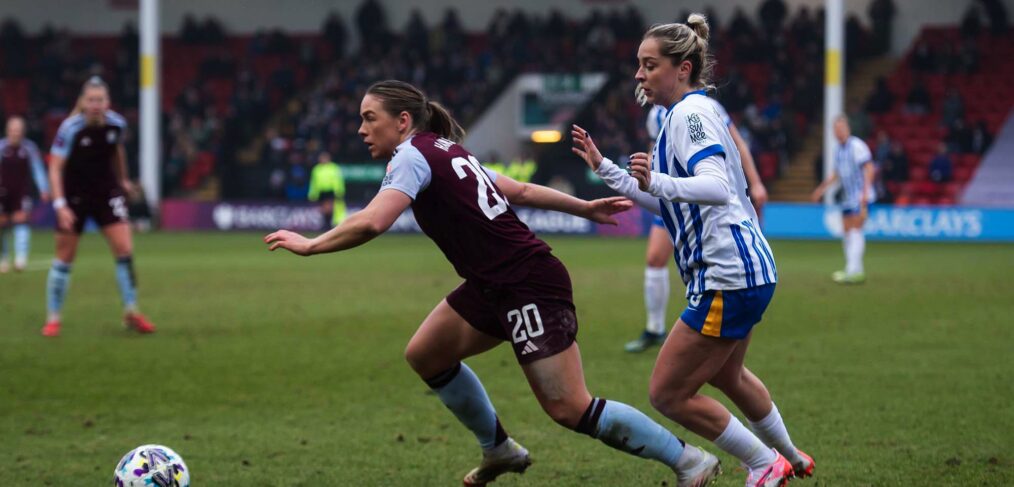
pixel 986 96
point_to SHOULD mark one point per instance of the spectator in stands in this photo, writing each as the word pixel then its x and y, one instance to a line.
pixel 971 24
pixel 996 12
pixel 923 59
pixel 335 34
pixel 881 99
pixel 881 14
pixel 896 164
pixel 918 100
pixel 941 167
pixel 772 15
pixel 981 138
pixel 960 137
pixel 952 108
pixel 859 121
pixel 967 58
pixel 371 20
pixel 882 148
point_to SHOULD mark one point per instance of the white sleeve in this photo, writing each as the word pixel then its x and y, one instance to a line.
pixel 407 172
pixel 65 137
pixel 491 173
pixel 618 180
pixel 861 152
pixel 696 135
pixel 709 186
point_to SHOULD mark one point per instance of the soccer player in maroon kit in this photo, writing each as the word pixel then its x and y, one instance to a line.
pixel 19 158
pixel 88 175
pixel 514 289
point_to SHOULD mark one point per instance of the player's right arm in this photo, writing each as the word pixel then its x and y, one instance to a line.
pixel 58 155
pixel 758 193
pixel 822 188
pixel 64 216
pixel 537 196
pixel 356 230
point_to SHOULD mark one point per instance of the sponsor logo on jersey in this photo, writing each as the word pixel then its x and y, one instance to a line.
pixel 529 348
pixel 695 128
pixel 111 136
pixel 86 141
pixel 695 301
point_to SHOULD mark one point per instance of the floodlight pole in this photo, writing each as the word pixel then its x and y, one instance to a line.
pixel 834 80
pixel 150 119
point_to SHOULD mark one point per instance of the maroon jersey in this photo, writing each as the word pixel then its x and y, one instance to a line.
pixel 457 204
pixel 18 164
pixel 89 151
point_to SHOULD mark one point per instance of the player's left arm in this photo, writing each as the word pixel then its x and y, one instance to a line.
pixel 758 193
pixel 120 168
pixel 356 230
pixel 868 171
pixel 537 196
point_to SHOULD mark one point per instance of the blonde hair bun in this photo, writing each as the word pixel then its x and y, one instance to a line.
pixel 699 24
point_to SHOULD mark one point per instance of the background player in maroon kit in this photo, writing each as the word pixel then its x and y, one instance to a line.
pixel 88 174
pixel 20 161
pixel 514 289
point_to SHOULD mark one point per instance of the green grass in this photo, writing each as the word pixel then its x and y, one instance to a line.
pixel 274 370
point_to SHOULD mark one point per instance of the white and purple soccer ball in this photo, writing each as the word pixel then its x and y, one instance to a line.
pixel 151 466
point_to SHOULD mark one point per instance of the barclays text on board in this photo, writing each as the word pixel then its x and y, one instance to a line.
pixel 953 223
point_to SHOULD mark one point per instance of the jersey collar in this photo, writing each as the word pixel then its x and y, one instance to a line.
pixel 695 92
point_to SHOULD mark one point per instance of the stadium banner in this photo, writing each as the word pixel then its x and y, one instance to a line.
pixel 886 222
pixel 185 215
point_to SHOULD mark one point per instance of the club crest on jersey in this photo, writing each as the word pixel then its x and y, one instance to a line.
pixel 111 136
pixel 695 128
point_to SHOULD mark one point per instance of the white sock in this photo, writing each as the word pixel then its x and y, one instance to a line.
pixel 656 297
pixel 857 246
pixel 739 442
pixel 771 430
pixel 691 457
pixel 846 241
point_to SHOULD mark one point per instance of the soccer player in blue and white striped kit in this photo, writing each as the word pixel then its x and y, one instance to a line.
pixel 853 167
pixel 694 179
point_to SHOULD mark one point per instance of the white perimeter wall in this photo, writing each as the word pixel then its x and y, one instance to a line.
pixel 99 16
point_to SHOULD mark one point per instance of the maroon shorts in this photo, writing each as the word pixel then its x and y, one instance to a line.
pixel 13 201
pixel 104 210
pixel 536 315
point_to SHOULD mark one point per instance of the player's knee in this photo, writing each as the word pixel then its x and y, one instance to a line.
pixel 564 412
pixel 667 401
pixel 656 261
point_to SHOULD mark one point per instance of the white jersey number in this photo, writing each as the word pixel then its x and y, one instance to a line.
pixel 491 211
pixel 529 317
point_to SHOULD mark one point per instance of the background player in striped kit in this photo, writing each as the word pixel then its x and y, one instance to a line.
pixel 88 175
pixel 660 248
pixel 853 167
pixel 19 157
pixel 695 181
pixel 515 290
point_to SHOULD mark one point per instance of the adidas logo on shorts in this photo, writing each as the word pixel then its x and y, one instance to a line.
pixel 529 348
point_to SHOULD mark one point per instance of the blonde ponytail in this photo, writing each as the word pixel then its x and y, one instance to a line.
pixel 687 42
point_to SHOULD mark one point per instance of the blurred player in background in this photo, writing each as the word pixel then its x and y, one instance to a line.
pixel 660 247
pixel 20 161
pixel 515 290
pixel 853 167
pixel 88 175
pixel 695 181
pixel 327 185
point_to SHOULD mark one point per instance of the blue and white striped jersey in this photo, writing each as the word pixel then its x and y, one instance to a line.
pixel 849 159
pixel 717 247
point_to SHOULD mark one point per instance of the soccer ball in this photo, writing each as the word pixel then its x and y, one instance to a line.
pixel 151 465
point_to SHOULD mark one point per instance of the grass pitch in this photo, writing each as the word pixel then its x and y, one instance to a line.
pixel 275 370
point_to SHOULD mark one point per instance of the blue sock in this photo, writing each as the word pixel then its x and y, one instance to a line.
pixel 463 394
pixel 56 286
pixel 127 282
pixel 3 243
pixel 627 429
pixel 22 238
